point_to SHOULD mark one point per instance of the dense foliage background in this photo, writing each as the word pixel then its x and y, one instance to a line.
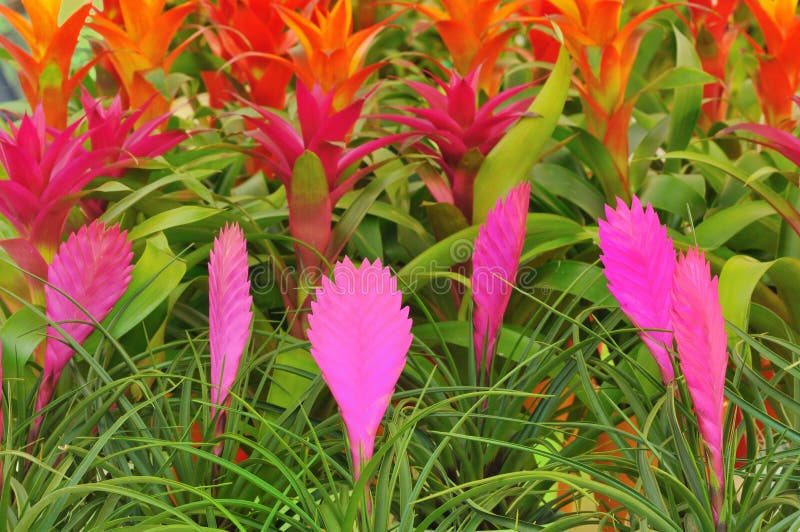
pixel 387 131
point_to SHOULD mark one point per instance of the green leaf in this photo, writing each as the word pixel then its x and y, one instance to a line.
pixel 310 209
pixel 596 156
pixel 154 277
pixel 739 278
pixel 644 152
pixel 673 193
pixel 119 208
pixel 513 158
pixel 576 278
pixel 348 223
pixel 724 224
pixel 785 209
pixel 512 344
pixel 681 76
pixel 688 98
pixel 172 218
pixel 20 334
pixel 293 373
pixel 567 184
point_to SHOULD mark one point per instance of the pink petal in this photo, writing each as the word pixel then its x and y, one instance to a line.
pixel 229 313
pixel 700 334
pixel 494 269
pixel 93 268
pixel 639 262
pixel 360 334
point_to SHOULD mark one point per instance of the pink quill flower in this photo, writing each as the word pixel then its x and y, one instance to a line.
pixel 229 313
pixel 359 338
pixel 495 262
pixel 89 273
pixel 700 334
pixel 639 262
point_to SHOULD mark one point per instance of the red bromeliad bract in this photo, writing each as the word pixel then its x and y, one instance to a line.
pixel 458 127
pixel 700 335
pixel 495 262
pixel 88 275
pixel 44 176
pixel 639 262
pixel 360 334
pixel 114 132
pixel 325 133
pixel 229 313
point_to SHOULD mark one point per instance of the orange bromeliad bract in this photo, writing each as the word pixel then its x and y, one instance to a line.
pixel 253 38
pixel 44 72
pixel 778 76
pixel 138 34
pixel 594 25
pixel 713 36
pixel 474 33
pixel 333 56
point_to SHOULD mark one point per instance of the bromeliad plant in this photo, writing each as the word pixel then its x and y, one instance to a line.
pixel 778 76
pixel 45 71
pixel 332 54
pixel 89 273
pixel 713 37
pixel 475 33
pixel 462 130
pixel 495 262
pixel 229 315
pixel 360 368
pixel 317 167
pixel 47 169
pixel 138 36
pixel 702 349
pixel 605 53
pixel 252 37
pixel 639 261
pixel 678 299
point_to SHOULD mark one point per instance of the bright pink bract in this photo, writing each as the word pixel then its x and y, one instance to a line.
pixel 360 334
pixel 700 335
pixel 229 313
pixel 495 262
pixel 639 262
pixel 88 275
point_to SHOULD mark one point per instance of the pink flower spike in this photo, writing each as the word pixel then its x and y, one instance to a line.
pixel 494 268
pixel 700 334
pixel 639 262
pixel 359 338
pixel 88 275
pixel 229 313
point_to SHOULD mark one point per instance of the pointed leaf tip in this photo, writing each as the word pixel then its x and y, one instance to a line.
pixel 639 261
pixel 229 313
pixel 700 335
pixel 360 334
pixel 495 262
